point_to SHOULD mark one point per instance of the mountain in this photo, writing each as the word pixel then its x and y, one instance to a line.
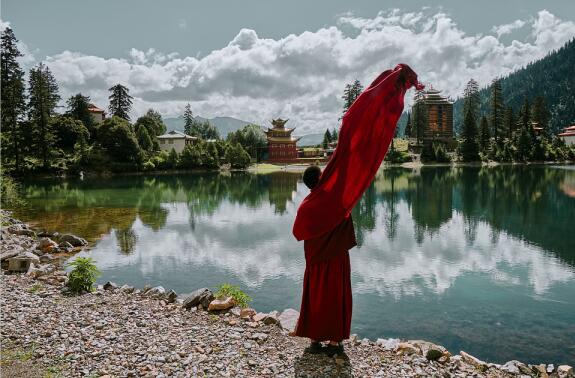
pixel 310 140
pixel 225 125
pixel 550 77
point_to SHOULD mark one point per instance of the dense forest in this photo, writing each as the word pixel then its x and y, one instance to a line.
pixel 551 78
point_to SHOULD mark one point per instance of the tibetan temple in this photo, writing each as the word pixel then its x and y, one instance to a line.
pixel 281 145
pixel 439 115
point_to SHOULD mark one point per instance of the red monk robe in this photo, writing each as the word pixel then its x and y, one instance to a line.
pixel 326 302
pixel 323 220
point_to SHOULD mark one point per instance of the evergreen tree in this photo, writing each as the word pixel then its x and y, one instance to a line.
pixel 484 136
pixel 326 139
pixel 509 122
pixel 120 102
pixel 251 138
pixel 496 113
pixel 78 109
pixel 469 148
pixel 350 94
pixel 541 116
pixel 471 99
pixel 13 99
pixel 43 98
pixel 334 135
pixel 188 119
pixel 419 119
pixel 143 137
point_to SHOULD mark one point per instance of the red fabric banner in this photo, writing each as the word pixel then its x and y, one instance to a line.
pixel 365 135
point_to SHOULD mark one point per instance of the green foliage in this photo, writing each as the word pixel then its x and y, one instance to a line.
pixel 13 106
pixel 419 117
pixel 83 275
pixel 350 94
pixel 251 138
pixel 68 132
pixel 469 147
pixel 237 157
pixel 120 102
pixel 9 194
pixel 227 290
pixel 173 160
pixel 394 156
pixel 78 109
pixel 117 137
pixel 550 77
pixel 42 100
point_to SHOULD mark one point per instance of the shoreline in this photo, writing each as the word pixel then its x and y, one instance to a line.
pixel 39 291
pixel 264 167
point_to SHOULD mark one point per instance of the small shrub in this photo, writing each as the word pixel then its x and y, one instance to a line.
pixel 227 290
pixel 9 193
pixel 83 275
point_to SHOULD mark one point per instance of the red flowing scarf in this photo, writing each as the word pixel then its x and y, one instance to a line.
pixel 366 132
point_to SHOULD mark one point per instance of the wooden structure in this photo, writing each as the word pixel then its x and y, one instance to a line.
pixel 438 111
pixel 282 146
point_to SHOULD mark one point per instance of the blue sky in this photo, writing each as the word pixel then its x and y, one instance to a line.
pixel 256 60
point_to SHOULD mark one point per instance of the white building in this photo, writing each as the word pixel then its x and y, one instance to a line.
pixel 568 135
pixel 175 140
pixel 98 115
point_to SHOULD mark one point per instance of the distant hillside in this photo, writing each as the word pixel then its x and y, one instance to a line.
pixel 551 77
pixel 311 140
pixel 225 125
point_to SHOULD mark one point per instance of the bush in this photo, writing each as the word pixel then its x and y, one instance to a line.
pixel 149 166
pixel 83 275
pixel 9 196
pixel 237 156
pixel 441 155
pixel 227 290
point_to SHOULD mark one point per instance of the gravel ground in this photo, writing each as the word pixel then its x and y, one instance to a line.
pixel 115 334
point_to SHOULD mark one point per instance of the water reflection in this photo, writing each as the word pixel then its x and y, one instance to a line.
pixel 468 247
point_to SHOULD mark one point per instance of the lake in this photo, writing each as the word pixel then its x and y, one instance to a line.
pixel 480 259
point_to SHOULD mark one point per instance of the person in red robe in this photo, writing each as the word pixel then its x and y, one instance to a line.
pixel 323 219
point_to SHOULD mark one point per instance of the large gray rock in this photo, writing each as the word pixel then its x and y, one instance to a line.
pixel 288 319
pixel 171 296
pixel 110 286
pixel 74 240
pixel 21 229
pixel 201 296
pixel 156 292
pixel 22 262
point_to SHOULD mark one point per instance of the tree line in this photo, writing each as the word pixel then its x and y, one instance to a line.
pixel 37 138
pixel 500 134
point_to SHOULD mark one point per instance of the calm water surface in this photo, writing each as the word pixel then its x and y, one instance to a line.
pixel 476 259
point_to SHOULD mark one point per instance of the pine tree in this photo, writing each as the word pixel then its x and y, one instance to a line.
pixel 334 135
pixel 469 148
pixel 43 98
pixel 509 122
pixel 484 136
pixel 471 99
pixel 419 119
pixel 496 113
pixel 120 102
pixel 12 99
pixel 541 115
pixel 188 119
pixel 350 94
pixel 78 109
pixel 326 139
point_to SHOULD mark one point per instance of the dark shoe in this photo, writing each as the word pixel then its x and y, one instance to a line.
pixel 332 350
pixel 314 347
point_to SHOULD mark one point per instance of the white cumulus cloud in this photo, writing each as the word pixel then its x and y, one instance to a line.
pixel 301 77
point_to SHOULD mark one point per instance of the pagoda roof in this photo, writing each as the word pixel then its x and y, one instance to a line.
pixel 283 140
pixel 287 131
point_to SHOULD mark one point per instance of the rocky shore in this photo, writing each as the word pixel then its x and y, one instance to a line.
pixel 153 332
